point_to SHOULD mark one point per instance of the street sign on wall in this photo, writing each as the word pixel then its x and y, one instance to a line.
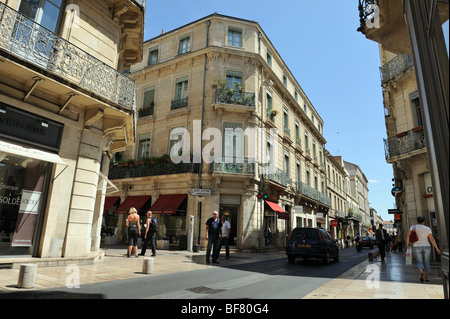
pixel 200 192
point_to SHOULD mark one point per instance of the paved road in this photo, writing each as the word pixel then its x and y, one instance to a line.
pixel 268 279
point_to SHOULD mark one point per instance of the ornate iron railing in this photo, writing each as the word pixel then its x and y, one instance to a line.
pixel 245 168
pixel 229 96
pixel 279 176
pixel 178 104
pixel 396 66
pixel 27 40
pixel 404 143
pixel 142 170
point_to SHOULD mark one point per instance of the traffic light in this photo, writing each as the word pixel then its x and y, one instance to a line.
pixel 262 196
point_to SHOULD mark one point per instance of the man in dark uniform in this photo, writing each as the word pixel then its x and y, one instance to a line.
pixel 213 230
pixel 382 238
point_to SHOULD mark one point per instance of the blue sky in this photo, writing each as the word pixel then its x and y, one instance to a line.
pixel 337 67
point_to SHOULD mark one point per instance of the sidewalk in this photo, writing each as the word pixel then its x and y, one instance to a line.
pixel 396 279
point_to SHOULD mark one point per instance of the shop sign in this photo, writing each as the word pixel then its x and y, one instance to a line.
pixel 27 218
pixel 22 126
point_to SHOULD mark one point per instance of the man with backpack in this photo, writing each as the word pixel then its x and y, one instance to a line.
pixel 151 228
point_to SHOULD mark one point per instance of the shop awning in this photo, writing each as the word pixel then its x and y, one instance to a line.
pixel 109 201
pixel 132 201
pixel 19 150
pixel 167 204
pixel 277 209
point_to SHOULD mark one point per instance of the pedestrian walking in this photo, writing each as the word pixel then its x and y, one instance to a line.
pixel 133 230
pixel 226 230
pixel 400 240
pixel 213 229
pixel 382 238
pixel 422 248
pixel 151 228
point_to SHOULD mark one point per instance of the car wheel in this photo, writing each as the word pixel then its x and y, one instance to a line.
pixel 336 258
pixel 326 258
pixel 291 259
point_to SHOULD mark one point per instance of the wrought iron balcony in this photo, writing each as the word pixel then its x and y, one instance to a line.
pixel 246 167
pixel 234 97
pixel 178 104
pixel 307 191
pixel 404 143
pixel 280 177
pixel 142 170
pixel 395 67
pixel 29 41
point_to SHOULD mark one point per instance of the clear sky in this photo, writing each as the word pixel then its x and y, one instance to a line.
pixel 337 67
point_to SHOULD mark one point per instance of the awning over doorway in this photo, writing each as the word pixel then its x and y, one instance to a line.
pixel 109 201
pixel 132 201
pixel 277 209
pixel 167 204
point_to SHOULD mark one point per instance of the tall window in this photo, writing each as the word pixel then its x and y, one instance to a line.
pixel 269 102
pixel 286 162
pixel 417 109
pixel 233 79
pixel 176 136
pixel 298 172
pixel 235 37
pixel 144 146
pixel 185 45
pixel 43 12
pixel 181 91
pixel 153 56
pixel 149 101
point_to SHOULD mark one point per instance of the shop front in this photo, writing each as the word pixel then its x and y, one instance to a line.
pixel 170 211
pixel 28 148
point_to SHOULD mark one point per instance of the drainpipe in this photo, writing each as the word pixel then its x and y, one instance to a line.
pixel 261 175
pixel 208 24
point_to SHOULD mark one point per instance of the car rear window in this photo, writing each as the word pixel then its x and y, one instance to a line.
pixel 306 234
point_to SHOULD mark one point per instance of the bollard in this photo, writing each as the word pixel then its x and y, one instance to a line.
pixel 27 276
pixel 147 266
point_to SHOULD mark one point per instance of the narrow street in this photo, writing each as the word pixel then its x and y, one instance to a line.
pixel 274 278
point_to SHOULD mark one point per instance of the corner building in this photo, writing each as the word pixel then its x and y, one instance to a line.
pixel 65 108
pixel 211 79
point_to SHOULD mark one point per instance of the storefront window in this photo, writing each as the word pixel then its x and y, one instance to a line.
pixel 23 191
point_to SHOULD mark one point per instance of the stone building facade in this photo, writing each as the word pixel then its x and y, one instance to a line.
pixel 65 108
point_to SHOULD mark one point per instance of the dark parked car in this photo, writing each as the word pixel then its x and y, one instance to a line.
pixel 366 242
pixel 311 243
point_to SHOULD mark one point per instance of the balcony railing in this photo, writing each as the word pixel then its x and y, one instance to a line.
pixel 234 97
pixel 396 66
pixel 27 40
pixel 313 193
pixel 229 167
pixel 404 143
pixel 142 170
pixel 178 104
pixel 279 176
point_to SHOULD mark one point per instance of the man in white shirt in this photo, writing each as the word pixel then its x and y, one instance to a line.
pixel 226 229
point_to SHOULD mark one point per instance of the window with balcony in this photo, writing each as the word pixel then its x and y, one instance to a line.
pixel 234 79
pixel 235 37
pixel 181 91
pixel 176 137
pixel 185 45
pixel 149 102
pixel 144 146
pixel 286 162
pixel 417 109
pixel 47 13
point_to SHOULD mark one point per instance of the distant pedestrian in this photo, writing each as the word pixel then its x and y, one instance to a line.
pixel 422 248
pixel 382 239
pixel 213 229
pixel 133 230
pixel 400 240
pixel 151 227
pixel 226 231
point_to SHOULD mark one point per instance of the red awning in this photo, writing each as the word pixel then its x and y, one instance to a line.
pixel 109 201
pixel 132 201
pixel 167 204
pixel 277 209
